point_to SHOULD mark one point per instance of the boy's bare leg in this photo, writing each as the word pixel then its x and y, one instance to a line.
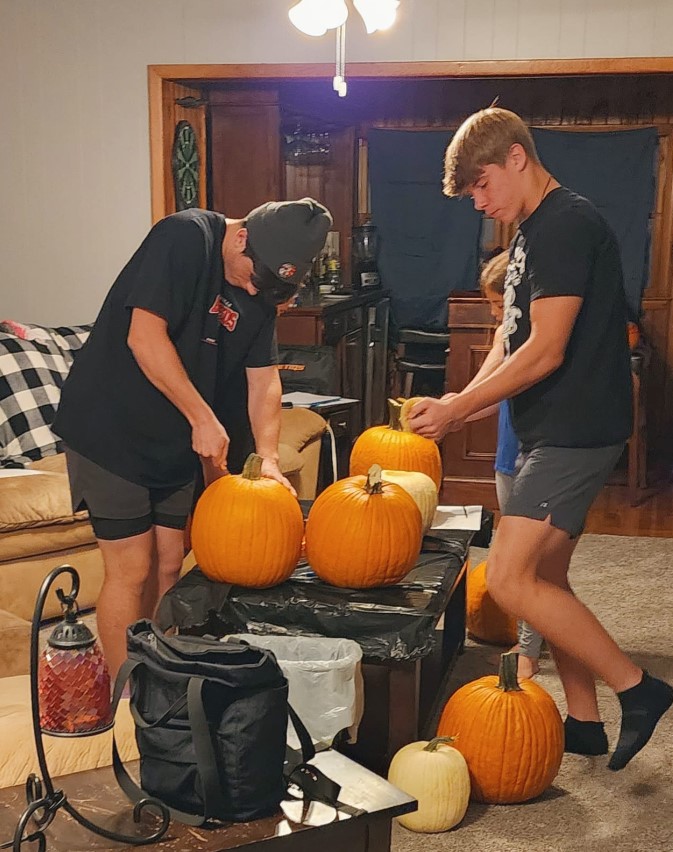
pixel 120 602
pixel 169 554
pixel 514 583
pixel 514 563
pixel 579 683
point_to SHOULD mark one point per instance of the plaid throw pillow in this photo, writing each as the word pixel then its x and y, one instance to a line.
pixel 32 373
pixel 65 337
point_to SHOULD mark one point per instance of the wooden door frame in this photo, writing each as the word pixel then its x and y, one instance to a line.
pixel 193 75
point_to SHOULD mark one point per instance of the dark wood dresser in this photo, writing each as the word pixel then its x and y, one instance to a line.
pixel 468 456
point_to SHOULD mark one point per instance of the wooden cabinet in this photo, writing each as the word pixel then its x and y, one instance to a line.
pixel 468 456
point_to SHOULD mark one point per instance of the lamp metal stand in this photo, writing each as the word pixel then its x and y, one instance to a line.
pixel 43 799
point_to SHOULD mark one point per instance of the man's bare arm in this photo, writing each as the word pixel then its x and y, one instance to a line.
pixel 157 357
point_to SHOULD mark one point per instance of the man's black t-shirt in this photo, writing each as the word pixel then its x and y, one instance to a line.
pixel 110 412
pixel 566 248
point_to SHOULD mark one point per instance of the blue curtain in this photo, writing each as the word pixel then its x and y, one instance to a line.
pixel 617 171
pixel 429 244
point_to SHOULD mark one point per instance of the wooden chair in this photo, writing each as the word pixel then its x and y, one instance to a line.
pixel 432 362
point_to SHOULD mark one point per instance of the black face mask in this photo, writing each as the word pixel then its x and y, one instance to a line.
pixel 273 289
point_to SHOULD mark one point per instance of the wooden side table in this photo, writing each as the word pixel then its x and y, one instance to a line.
pixel 100 798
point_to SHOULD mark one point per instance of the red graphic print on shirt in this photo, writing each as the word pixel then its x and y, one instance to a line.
pixel 226 316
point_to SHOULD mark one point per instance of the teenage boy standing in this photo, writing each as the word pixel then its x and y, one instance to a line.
pixel 566 371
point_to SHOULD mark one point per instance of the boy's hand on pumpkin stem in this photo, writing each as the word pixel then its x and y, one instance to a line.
pixel 271 470
pixel 433 418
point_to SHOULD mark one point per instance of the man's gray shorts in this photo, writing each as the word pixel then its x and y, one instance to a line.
pixel 561 483
pixel 121 509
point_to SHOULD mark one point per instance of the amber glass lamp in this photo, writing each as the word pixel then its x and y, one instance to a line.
pixel 70 696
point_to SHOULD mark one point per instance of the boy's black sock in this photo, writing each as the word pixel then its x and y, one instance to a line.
pixel 642 707
pixel 585 737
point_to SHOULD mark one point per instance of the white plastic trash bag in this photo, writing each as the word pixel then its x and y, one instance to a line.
pixel 325 682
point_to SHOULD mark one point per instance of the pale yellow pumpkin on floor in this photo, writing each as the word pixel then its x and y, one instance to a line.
pixel 436 775
pixel 420 487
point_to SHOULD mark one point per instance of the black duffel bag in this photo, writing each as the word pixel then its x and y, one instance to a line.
pixel 310 369
pixel 211 726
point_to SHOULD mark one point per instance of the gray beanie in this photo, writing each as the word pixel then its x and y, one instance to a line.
pixel 287 235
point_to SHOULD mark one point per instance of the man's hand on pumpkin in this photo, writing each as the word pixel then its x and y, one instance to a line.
pixel 271 470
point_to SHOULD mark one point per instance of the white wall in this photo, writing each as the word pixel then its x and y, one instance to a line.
pixel 74 162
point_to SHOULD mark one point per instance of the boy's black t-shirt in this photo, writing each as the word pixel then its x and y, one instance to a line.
pixel 566 248
pixel 109 411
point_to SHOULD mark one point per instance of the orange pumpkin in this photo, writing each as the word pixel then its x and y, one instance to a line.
pixel 247 529
pixel 510 734
pixel 363 532
pixel 396 449
pixel 485 619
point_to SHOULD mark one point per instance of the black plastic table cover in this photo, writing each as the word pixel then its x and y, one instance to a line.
pixel 393 622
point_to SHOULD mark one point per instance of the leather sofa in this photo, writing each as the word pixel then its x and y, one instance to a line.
pixel 39 531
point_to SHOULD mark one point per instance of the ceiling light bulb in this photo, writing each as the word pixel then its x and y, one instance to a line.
pixel 315 17
pixel 377 14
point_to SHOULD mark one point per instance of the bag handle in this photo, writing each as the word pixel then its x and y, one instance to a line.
pixel 312 781
pixel 132 790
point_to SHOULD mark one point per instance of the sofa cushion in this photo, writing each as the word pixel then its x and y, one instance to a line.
pixel 32 498
pixel 64 755
pixel 31 376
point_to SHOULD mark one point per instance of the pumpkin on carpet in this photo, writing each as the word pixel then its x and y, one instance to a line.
pixel 396 449
pixel 510 734
pixel 436 775
pixel 247 529
pixel 484 618
pixel 362 532
pixel 420 488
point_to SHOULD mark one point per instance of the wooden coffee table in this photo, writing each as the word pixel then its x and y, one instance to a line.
pixel 96 795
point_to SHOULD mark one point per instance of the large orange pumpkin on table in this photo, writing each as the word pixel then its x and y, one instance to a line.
pixel 247 529
pixel 363 532
pixel 485 619
pixel 510 734
pixel 396 448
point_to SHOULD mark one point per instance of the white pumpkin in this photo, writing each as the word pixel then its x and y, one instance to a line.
pixel 436 775
pixel 420 487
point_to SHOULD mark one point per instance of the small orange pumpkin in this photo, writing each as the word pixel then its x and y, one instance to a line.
pixel 485 619
pixel 247 529
pixel 510 734
pixel 363 532
pixel 395 448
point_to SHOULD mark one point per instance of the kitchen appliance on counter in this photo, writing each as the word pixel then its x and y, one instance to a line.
pixel 365 247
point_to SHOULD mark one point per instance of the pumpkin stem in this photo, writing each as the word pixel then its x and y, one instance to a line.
pixel 437 741
pixel 394 411
pixel 374 484
pixel 508 681
pixel 252 469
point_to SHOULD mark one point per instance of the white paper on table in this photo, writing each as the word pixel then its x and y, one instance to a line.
pixel 300 399
pixel 20 471
pixel 457 518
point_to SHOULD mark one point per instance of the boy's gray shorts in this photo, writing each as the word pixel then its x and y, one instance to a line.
pixel 561 483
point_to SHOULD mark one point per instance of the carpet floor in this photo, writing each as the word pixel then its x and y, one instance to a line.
pixel 628 583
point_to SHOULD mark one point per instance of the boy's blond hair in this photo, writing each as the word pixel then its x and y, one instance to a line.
pixel 483 139
pixel 492 276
